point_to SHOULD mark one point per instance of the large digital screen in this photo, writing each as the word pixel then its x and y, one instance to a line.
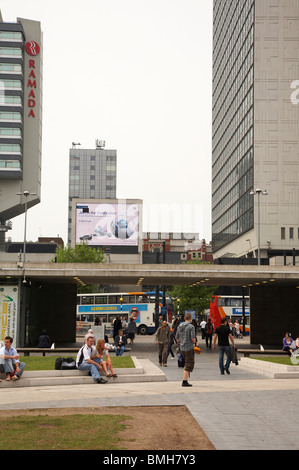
pixel 102 224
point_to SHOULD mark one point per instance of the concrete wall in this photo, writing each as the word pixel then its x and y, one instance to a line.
pixel 273 312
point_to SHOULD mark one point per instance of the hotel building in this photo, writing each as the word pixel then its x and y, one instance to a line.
pixel 20 118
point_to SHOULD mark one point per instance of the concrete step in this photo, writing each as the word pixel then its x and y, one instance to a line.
pixel 144 371
pixel 275 371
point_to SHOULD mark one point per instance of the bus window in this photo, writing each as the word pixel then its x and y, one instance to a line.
pixel 111 317
pixel 87 318
pixel 112 299
pixel 103 319
pixel 142 299
pixel 87 299
pixel 236 302
pixel 101 299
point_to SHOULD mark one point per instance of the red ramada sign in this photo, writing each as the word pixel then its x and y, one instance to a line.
pixel 32 48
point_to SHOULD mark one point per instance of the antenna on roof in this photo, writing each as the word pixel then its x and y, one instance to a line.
pixel 100 143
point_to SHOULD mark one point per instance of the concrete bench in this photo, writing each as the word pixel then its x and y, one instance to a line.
pixel 248 352
pixel 57 351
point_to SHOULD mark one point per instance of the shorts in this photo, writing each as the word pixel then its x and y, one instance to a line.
pixel 189 360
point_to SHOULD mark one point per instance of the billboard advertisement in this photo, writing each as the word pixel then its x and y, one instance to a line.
pixel 8 312
pixel 104 224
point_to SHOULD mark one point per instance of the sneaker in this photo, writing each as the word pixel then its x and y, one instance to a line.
pixel 227 370
pixel 102 381
pixel 164 365
pixel 185 383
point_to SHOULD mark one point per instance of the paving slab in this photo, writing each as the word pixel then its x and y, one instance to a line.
pixel 246 410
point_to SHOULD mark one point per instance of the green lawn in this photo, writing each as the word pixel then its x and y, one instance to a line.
pixel 48 362
pixel 69 432
pixel 279 360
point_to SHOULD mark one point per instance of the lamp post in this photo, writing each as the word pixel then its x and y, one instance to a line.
pixel 259 192
pixel 25 194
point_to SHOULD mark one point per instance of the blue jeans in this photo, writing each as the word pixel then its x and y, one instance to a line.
pixel 222 350
pixel 94 370
pixel 9 366
pixel 119 352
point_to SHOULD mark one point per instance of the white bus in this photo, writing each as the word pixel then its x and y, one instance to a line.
pixel 106 307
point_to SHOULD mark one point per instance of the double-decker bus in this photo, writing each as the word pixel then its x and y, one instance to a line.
pixel 106 307
pixel 229 306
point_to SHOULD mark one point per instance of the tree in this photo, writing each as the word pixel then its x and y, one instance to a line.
pixel 82 253
pixel 196 297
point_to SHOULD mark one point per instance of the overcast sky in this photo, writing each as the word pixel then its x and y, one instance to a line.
pixel 137 74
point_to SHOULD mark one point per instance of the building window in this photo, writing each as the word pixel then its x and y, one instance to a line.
pixel 291 233
pixel 11 35
pixel 10 51
pixel 7 116
pixel 10 132
pixel 10 68
pixel 283 233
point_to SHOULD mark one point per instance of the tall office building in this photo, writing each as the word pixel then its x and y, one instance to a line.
pixel 92 175
pixel 255 143
pixel 20 118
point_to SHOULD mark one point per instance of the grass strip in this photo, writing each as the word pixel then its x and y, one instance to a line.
pixel 277 360
pixel 68 432
pixel 48 362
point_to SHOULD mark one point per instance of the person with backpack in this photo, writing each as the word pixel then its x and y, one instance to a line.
pixel 186 337
pixel 209 333
pixel 84 361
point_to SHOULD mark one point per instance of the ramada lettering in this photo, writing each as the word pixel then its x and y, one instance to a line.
pixel 31 84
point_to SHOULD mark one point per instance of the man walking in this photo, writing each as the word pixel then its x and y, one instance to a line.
pixel 162 339
pixel 223 334
pixel 209 328
pixel 186 338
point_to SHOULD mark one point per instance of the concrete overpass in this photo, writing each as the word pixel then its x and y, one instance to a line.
pixel 172 274
pixel 48 299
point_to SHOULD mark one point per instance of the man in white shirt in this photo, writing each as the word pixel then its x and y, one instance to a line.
pixel 9 361
pixel 203 329
pixel 84 361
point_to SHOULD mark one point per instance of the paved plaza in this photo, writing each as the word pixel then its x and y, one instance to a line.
pixel 241 411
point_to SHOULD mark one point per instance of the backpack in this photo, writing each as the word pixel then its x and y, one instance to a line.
pixel 63 363
pixel 181 360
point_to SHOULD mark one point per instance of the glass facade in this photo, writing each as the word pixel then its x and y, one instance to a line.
pixel 11 100
pixel 232 128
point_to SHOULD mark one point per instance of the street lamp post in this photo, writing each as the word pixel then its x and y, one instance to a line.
pixel 259 192
pixel 25 194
